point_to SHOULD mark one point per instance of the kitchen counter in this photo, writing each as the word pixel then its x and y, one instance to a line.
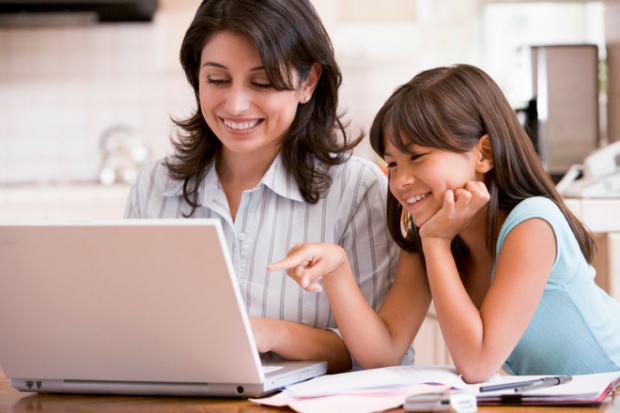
pixel 63 202
pixel 599 215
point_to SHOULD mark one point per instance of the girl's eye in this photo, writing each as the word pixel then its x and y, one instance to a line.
pixel 391 165
pixel 416 156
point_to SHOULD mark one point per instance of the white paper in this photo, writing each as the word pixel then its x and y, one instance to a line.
pixel 385 378
pixel 351 403
pixel 383 389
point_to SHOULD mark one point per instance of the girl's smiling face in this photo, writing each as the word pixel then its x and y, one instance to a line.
pixel 419 179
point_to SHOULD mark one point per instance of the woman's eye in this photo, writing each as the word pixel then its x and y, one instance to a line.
pixel 259 85
pixel 391 165
pixel 216 82
pixel 416 156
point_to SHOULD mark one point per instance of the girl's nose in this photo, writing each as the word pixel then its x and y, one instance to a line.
pixel 238 100
pixel 401 178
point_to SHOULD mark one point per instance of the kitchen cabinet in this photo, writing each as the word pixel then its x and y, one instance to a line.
pixel 429 346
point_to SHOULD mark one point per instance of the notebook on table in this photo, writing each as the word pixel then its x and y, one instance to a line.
pixel 384 387
pixel 144 307
pixel 582 390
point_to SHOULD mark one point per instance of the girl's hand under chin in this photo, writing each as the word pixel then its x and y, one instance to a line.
pixel 458 210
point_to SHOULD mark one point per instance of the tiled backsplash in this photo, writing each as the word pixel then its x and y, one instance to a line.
pixel 62 88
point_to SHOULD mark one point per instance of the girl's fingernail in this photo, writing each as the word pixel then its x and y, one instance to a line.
pixel 304 283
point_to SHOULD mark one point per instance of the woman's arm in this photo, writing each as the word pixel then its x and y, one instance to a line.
pixel 296 341
pixel 481 340
pixel 373 339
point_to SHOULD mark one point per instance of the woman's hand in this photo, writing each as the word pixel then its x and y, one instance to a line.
pixel 295 341
pixel 308 263
pixel 458 210
pixel 263 330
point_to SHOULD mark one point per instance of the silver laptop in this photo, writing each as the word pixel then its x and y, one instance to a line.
pixel 144 307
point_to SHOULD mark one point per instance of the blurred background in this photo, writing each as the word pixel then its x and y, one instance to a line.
pixel 86 98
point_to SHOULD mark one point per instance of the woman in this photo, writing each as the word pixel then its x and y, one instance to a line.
pixel 262 153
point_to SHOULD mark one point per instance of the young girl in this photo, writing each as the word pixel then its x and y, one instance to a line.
pixel 484 234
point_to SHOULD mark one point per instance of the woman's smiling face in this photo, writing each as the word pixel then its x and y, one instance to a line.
pixel 419 179
pixel 237 100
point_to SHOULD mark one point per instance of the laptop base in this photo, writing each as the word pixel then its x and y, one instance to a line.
pixel 273 383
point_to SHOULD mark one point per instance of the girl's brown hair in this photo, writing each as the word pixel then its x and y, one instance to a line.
pixel 289 36
pixel 450 108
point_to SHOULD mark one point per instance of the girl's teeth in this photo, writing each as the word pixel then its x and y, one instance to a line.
pixel 416 199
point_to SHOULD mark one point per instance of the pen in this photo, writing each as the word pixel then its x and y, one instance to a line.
pixel 528 385
pixel 546 382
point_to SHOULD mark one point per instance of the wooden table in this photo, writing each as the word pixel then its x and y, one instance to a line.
pixel 14 401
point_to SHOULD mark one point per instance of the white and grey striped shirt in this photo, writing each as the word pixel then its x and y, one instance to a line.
pixel 273 217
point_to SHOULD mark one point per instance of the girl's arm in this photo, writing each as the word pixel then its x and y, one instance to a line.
pixel 481 340
pixel 373 339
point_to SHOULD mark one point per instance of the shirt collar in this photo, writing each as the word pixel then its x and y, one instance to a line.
pixel 280 181
pixel 276 178
pixel 173 187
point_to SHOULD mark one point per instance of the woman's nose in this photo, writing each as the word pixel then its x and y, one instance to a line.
pixel 238 100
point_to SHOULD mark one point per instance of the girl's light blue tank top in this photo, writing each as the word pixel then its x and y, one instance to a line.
pixel 576 326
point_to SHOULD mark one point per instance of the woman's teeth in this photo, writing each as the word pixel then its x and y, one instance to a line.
pixel 415 199
pixel 241 126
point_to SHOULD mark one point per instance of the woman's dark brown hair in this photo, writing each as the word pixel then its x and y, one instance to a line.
pixel 289 37
pixel 450 108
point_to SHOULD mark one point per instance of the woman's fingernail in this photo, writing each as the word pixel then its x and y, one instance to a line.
pixel 304 282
